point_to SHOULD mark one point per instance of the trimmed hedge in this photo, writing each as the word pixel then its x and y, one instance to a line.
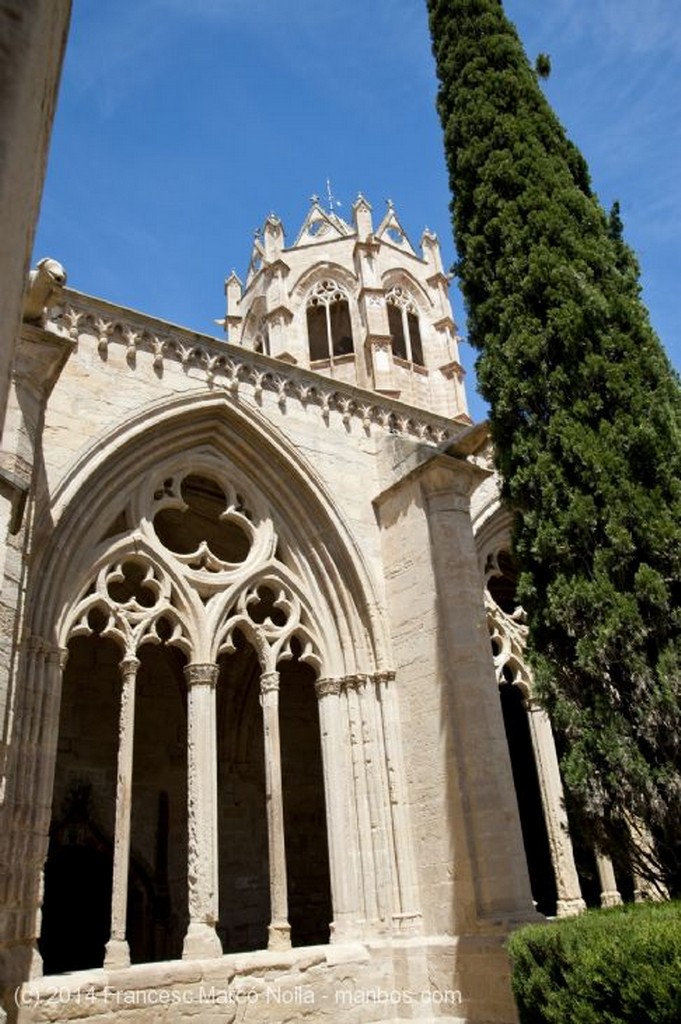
pixel 605 967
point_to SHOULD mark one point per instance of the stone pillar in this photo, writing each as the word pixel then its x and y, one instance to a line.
pixel 646 886
pixel 406 913
pixel 117 952
pixel 610 896
pixel 201 939
pixel 341 864
pixel 279 930
pixel 570 900
pixel 44 669
pixel 471 707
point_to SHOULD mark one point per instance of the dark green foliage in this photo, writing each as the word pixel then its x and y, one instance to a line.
pixel 542 65
pixel 586 421
pixel 606 967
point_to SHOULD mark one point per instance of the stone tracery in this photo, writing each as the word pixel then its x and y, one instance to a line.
pixel 199 570
pixel 156 583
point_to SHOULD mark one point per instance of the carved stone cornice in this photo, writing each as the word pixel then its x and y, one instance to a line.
pixel 236 369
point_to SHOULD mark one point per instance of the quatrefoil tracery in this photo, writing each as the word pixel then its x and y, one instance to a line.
pixel 506 622
pixel 202 565
pixel 271 617
pixel 130 602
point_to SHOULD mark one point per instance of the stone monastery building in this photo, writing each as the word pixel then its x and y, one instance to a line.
pixel 256 734
pixel 257 614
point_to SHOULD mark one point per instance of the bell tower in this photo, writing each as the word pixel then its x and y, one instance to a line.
pixel 354 303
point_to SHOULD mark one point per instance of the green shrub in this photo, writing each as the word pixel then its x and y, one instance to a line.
pixel 605 967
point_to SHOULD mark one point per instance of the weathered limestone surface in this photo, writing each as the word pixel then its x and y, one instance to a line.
pixel 441 981
pixel 278 722
pixel 32 41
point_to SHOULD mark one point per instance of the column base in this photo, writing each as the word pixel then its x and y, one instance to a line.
pixel 408 924
pixel 279 935
pixel 201 942
pixel 570 908
pixel 116 954
pixel 35 969
pixel 611 899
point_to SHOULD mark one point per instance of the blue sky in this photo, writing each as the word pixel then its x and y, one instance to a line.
pixel 183 123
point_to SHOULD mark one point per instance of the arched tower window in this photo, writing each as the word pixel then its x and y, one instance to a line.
pixel 256 329
pixel 329 328
pixel 404 326
pixel 261 339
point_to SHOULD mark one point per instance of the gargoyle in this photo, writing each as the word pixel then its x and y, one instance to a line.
pixel 44 287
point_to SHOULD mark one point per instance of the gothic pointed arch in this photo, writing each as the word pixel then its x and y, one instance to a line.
pixel 197 542
pixel 130 485
pixel 320 270
pixel 401 278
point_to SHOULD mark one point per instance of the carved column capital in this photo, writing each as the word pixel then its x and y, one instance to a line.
pixel 57 656
pixel 327 688
pixel 355 682
pixel 201 674
pixel 129 666
pixel 35 646
pixel 384 677
pixel 269 683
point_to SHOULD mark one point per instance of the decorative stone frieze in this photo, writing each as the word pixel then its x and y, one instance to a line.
pixel 236 369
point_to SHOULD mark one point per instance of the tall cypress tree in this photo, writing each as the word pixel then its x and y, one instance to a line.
pixel 586 422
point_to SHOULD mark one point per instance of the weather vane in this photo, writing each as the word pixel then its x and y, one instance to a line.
pixel 330 197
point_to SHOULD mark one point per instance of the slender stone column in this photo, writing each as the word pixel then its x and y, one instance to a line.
pixel 369 911
pixel 374 772
pixel 406 914
pixel 117 949
pixel 610 896
pixel 570 900
pixel 343 891
pixel 279 930
pixel 201 939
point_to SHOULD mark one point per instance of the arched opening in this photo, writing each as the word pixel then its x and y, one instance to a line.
pixel 307 857
pixel 76 910
pixel 208 542
pixel 535 838
pixel 403 322
pixel 76 917
pixel 242 822
pixel 329 324
pixel 158 836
